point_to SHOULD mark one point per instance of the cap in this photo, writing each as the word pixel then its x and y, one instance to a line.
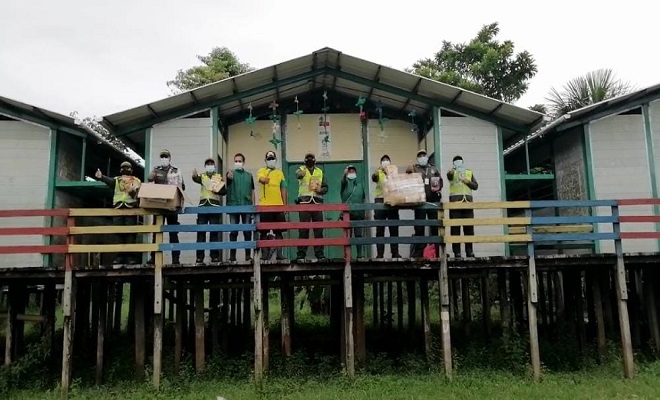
pixel 384 157
pixel 457 157
pixel 421 151
pixel 165 153
pixel 351 166
pixel 209 160
pixel 126 164
pixel 271 152
pixel 310 155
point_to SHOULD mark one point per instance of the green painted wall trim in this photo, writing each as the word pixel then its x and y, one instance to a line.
pixel 529 177
pixel 147 152
pixel 284 130
pixel 437 137
pixel 50 194
pixel 589 176
pixel 365 160
pixel 500 165
pixel 650 149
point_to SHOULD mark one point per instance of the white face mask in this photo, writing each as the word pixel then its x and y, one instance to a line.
pixel 271 163
pixel 458 163
pixel 384 163
pixel 210 169
pixel 238 165
pixel 351 176
pixel 422 160
pixel 164 162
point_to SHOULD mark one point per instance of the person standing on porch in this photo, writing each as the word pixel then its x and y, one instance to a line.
pixel 126 187
pixel 312 185
pixel 391 213
pixel 352 192
pixel 272 192
pixel 167 174
pixel 209 196
pixel 432 186
pixel 240 192
pixel 461 184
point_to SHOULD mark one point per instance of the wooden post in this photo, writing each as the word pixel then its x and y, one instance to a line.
pixel 550 320
pixel 532 299
pixel 426 317
pixel 224 319
pixel 68 313
pixel 285 317
pixel 485 305
pixel 542 303
pixel 505 308
pixel 389 306
pixel 467 306
pixel 119 297
pixel 158 308
pixel 266 311
pixel 10 324
pixel 651 308
pixel 601 339
pixel 179 323
pixel 100 332
pixel 348 305
pixel 48 307
pixel 199 326
pixel 579 310
pixel 214 319
pixel 399 305
pixel 259 320
pixel 374 304
pixel 381 306
pixel 140 335
pixel 359 331
pixel 622 300
pixel 412 305
pixel 247 315
pixel 444 311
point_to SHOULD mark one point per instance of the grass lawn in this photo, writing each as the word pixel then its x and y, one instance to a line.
pixel 599 383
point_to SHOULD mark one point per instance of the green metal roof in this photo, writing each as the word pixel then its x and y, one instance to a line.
pixel 332 70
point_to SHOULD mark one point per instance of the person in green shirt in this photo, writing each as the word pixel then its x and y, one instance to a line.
pixel 240 192
pixel 352 192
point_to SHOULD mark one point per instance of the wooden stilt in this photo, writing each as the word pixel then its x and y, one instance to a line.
pixel 140 335
pixel 505 307
pixel 399 305
pixel 285 317
pixel 467 306
pixel 651 308
pixel 579 311
pixel 412 305
pixel 214 319
pixel 444 312
pixel 374 304
pixel 426 317
pixel 119 298
pixel 224 320
pixel 100 332
pixel 349 343
pixel 259 320
pixel 179 323
pixel 531 313
pixel 266 311
pixel 199 327
pixel 634 307
pixel 542 304
pixel 622 300
pixel 608 296
pixel 68 312
pixel 359 331
pixel 48 311
pixel 10 324
pixel 247 314
pixel 550 319
pixel 485 306
pixel 601 339
pixel 390 315
pixel 158 310
pixel 384 318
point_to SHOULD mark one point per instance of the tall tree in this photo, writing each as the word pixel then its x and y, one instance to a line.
pixel 483 65
pixel 590 88
pixel 221 63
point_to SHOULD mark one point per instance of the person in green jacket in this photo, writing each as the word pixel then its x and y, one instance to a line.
pixel 352 192
pixel 240 192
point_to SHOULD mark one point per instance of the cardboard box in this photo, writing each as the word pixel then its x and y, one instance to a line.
pixel 391 170
pixel 404 190
pixel 163 197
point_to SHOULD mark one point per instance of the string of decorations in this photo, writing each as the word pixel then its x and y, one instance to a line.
pixel 250 120
pixel 275 118
pixel 381 121
pixel 325 112
pixel 298 111
pixel 413 127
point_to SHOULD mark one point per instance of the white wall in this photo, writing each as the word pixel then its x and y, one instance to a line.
pixel 190 143
pixel 654 111
pixel 476 141
pixel 620 166
pixel 25 180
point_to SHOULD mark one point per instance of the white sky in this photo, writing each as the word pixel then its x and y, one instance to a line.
pixel 100 57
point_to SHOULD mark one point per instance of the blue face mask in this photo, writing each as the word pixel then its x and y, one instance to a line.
pixel 422 160
pixel 351 176
pixel 210 169
pixel 458 164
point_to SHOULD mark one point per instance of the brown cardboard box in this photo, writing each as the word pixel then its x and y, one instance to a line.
pixel 164 197
pixel 404 190
pixel 391 170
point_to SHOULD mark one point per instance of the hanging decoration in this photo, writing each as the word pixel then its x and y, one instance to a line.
pixel 413 127
pixel 250 120
pixel 325 110
pixel 360 103
pixel 275 118
pixel 381 121
pixel 298 111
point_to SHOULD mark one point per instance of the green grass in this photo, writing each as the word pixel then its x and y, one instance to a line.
pixel 602 383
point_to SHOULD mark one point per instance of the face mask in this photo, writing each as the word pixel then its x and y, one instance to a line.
pixel 351 176
pixel 422 160
pixel 309 162
pixel 164 162
pixel 458 163
pixel 238 165
pixel 210 169
pixel 384 163
pixel 126 172
pixel 271 163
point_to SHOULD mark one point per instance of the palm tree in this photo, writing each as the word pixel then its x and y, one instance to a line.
pixel 591 88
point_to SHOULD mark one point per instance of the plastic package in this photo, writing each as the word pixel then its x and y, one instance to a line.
pixel 404 189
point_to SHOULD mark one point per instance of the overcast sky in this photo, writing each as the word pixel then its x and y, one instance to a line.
pixel 100 57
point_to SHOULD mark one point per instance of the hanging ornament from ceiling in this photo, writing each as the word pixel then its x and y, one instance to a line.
pixel 325 111
pixel 381 121
pixel 298 111
pixel 250 120
pixel 413 127
pixel 360 103
pixel 275 118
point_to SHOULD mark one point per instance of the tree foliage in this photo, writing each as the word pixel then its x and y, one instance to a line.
pixel 483 65
pixel 590 88
pixel 221 63
pixel 542 108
